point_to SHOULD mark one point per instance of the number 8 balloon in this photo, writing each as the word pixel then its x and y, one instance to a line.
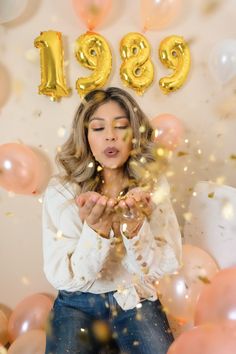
pixel 137 69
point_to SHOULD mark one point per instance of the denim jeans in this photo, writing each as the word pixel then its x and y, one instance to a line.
pixel 142 330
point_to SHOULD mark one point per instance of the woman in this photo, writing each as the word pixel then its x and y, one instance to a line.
pixel 106 240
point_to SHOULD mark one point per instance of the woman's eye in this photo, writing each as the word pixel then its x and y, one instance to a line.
pixel 95 129
pixel 121 127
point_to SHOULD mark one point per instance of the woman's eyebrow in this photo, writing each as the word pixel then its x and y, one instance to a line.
pixel 98 118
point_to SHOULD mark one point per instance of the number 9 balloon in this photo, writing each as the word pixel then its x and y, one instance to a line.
pixel 93 52
pixel 174 54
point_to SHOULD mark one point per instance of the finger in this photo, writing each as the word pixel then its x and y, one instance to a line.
pixel 111 202
pixel 98 209
pixel 90 203
pixel 83 197
pixel 130 202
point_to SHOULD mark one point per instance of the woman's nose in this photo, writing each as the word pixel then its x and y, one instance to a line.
pixel 111 135
pixel 112 138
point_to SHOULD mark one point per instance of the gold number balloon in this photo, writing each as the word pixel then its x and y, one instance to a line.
pixel 51 61
pixel 93 52
pixel 174 53
pixel 137 70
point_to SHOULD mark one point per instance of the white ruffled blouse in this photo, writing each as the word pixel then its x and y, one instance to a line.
pixel 76 258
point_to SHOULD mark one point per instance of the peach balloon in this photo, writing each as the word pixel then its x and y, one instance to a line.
pixel 214 338
pixel 156 15
pixel 92 12
pixel 179 293
pixel 217 301
pixel 19 169
pixel 31 313
pixel 168 130
pixel 3 328
pixel 32 342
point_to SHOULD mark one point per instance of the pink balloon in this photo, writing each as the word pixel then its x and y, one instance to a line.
pixel 32 342
pixel 92 12
pixel 31 313
pixel 168 130
pixel 179 293
pixel 214 338
pixel 217 301
pixel 20 169
pixel 159 14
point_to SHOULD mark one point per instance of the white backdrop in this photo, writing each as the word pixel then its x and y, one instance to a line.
pixel 207 110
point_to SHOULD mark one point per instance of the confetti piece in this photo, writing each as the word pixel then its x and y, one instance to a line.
pixel 61 132
pixel 211 195
pixel 205 280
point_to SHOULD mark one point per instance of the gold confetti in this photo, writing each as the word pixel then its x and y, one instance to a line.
pixel 101 331
pixel 32 55
pixel 205 280
pixel 228 211
pixel 188 216
pixel 135 343
pixel 3 350
pixel 59 235
pixel 61 132
pixel 9 214
pixel 211 195
pixel 220 180
pixel 99 168
pixel 25 280
pixel 182 153
pixel 210 6
pixel 142 129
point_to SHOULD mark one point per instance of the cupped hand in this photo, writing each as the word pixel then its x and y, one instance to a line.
pixel 135 205
pixel 97 211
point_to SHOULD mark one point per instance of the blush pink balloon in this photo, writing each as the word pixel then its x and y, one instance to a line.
pixel 217 301
pixel 156 15
pixel 179 292
pixel 168 130
pixel 31 313
pixel 92 12
pixel 32 342
pixel 213 338
pixel 20 169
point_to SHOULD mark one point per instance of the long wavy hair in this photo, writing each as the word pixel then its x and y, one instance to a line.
pixel 75 160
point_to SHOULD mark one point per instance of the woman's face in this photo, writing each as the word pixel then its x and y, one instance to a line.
pixel 109 135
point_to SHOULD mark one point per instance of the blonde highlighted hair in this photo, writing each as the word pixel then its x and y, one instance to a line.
pixel 75 160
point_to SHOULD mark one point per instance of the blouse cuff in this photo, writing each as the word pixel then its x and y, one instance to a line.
pixel 141 248
pixel 95 251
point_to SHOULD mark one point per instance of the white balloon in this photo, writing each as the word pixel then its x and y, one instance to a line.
pixel 11 9
pixel 222 61
pixel 212 225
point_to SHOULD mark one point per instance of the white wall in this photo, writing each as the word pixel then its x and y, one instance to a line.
pixel 207 110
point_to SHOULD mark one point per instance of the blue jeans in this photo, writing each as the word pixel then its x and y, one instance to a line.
pixel 143 330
